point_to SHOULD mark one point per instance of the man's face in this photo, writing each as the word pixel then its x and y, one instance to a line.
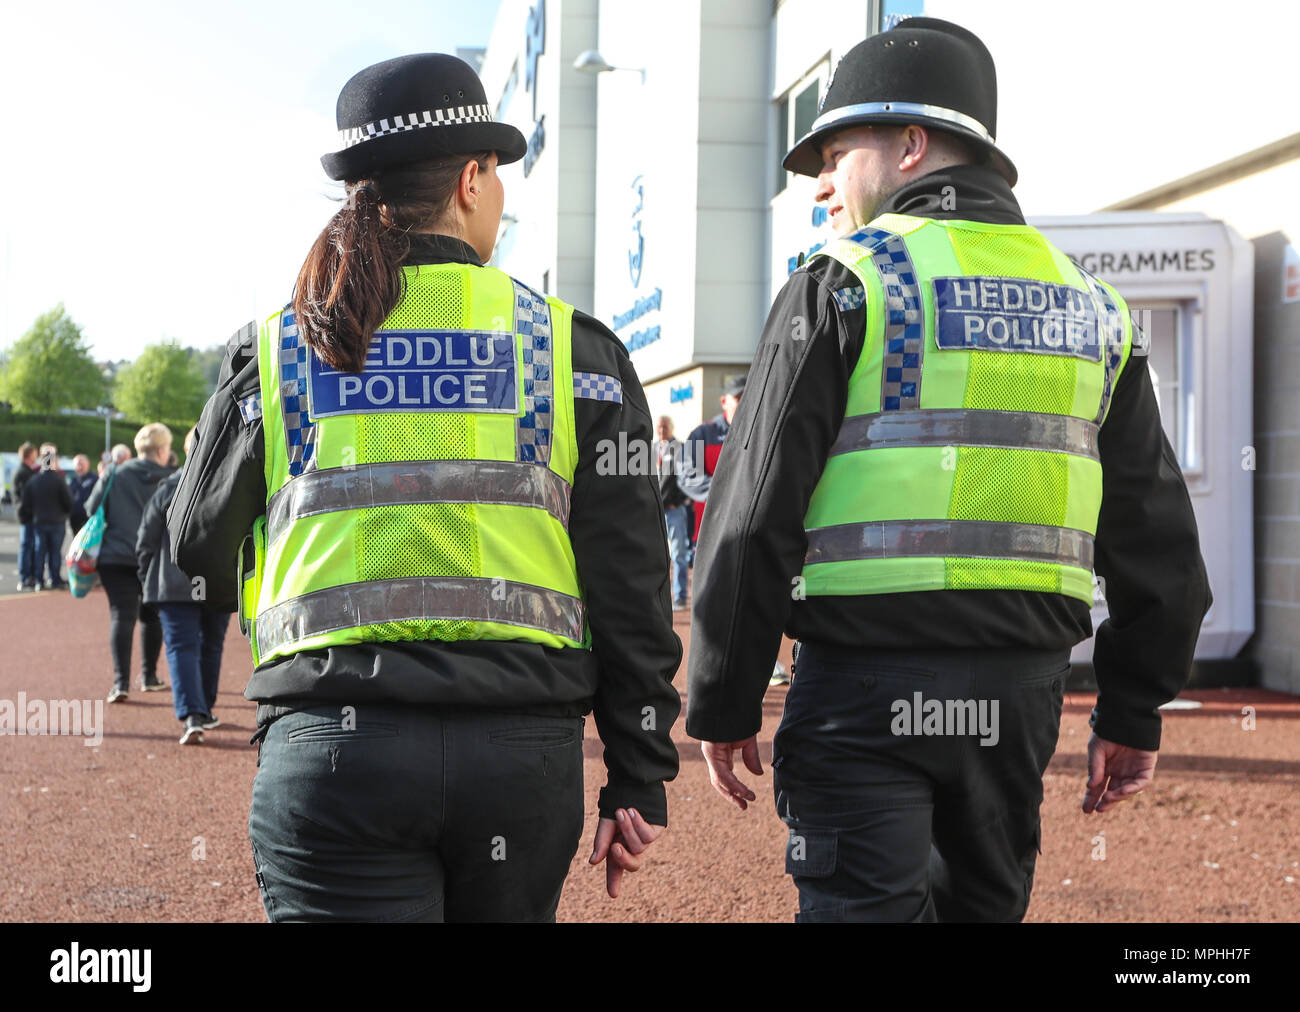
pixel 859 170
pixel 664 428
pixel 81 464
pixel 729 404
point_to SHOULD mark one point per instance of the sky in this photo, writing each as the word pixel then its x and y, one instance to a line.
pixel 161 166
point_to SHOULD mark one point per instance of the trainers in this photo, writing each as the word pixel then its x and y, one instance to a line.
pixel 25 587
pixel 193 730
pixel 209 722
pixel 680 605
pixel 779 675
pixel 118 695
pixel 154 686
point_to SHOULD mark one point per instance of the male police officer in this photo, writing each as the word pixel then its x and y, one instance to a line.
pixel 918 498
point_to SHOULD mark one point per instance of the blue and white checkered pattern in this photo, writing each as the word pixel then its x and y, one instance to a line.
pixel 250 408
pixel 596 386
pixel 299 432
pixel 900 383
pixel 1112 338
pixel 850 298
pixel 533 327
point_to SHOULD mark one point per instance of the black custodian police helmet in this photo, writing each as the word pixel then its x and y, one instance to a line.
pixel 413 108
pixel 923 71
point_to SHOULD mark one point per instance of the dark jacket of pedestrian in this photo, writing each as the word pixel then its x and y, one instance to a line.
pixel 161 579
pixel 22 476
pixel 82 486
pixel 132 489
pixel 46 500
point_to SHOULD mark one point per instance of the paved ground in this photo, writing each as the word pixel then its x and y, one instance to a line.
pixel 139 828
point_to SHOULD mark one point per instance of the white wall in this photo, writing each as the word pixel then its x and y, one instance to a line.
pixel 553 203
pixel 649 130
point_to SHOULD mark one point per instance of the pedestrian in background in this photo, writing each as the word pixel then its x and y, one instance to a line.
pixel 27 468
pixel 131 484
pixel 82 485
pixel 700 452
pixel 918 499
pixel 193 632
pixel 48 502
pixel 426 649
pixel 677 514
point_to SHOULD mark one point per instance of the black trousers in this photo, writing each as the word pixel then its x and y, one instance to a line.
pixel 415 813
pixel 911 781
pixel 122 585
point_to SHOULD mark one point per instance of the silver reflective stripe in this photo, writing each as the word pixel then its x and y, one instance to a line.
pixel 853 112
pixel 422 481
pixel 420 599
pixel 1012 430
pixel 977 539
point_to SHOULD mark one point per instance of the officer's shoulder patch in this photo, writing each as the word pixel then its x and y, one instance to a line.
pixel 851 297
pixel 596 386
pixel 250 408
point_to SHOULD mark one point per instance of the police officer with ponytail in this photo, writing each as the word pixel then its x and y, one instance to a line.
pixel 396 481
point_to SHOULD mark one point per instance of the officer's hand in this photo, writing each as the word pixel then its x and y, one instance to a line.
pixel 717 754
pixel 634 836
pixel 1129 770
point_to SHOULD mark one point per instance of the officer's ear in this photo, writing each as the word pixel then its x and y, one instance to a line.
pixel 468 185
pixel 912 143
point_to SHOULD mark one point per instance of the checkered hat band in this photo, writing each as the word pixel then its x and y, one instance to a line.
pixel 415 121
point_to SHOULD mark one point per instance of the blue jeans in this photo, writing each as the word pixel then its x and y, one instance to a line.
pixel 678 521
pixel 902 807
pixel 27 553
pixel 194 636
pixel 49 552
pixel 399 812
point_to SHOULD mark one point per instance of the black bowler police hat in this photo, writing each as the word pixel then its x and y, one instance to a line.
pixel 923 71
pixel 413 108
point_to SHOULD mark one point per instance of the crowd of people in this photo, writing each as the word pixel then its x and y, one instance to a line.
pixel 143 586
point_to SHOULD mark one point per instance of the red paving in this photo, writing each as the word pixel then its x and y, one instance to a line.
pixel 140 829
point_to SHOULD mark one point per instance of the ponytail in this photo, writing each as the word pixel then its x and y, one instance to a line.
pixel 350 281
pixel 352 278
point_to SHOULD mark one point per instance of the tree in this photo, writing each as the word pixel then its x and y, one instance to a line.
pixel 164 382
pixel 209 360
pixel 49 368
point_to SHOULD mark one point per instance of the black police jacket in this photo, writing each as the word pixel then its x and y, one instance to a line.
pixel 617 528
pixel 1147 548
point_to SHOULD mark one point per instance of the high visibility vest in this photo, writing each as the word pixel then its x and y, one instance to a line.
pixel 967 459
pixel 427 497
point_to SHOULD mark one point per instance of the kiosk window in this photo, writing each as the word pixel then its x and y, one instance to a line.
pixel 795 112
pixel 1173 376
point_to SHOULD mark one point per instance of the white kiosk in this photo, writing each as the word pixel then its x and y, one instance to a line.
pixel 1190 282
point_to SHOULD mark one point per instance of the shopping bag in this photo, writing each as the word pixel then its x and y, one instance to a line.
pixel 83 554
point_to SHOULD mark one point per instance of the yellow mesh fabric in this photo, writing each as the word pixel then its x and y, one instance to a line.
pixel 1013 486
pixel 997 381
pixel 1014 254
pixel 980 574
pixel 431 295
pixel 447 534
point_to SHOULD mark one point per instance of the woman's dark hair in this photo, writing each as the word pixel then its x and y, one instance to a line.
pixel 352 277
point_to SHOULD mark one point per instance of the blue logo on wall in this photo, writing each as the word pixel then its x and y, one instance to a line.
pixel 676 395
pixel 535 45
pixel 637 250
